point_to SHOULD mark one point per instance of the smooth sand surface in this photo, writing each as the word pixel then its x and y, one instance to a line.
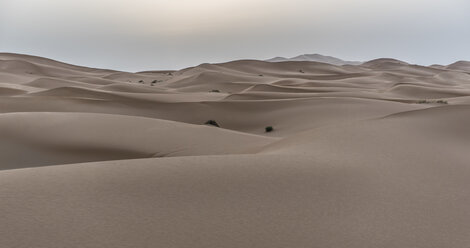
pixel 370 155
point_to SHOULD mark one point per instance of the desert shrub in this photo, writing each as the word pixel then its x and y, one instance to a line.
pixel 268 129
pixel 153 82
pixel 301 71
pixel 260 75
pixel 442 101
pixel 141 81
pixel 212 123
pixel 217 91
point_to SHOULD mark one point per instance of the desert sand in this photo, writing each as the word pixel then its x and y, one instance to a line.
pixel 361 155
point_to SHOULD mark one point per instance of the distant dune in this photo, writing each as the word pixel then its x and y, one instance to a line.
pixel 315 58
pixel 310 151
pixel 460 65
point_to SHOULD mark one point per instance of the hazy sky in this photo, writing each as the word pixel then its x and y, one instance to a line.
pixel 172 34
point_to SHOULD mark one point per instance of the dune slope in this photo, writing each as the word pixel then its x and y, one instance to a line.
pixel 236 201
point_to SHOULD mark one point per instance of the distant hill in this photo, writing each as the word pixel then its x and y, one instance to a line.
pixel 315 58
pixel 383 63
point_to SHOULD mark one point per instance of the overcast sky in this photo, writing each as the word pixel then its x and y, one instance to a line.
pixel 173 34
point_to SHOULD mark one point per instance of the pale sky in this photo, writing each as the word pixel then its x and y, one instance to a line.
pixel 173 34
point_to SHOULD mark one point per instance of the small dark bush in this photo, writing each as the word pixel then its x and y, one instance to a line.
pixel 141 81
pixel 432 101
pixel 212 123
pixel 301 71
pixel 153 82
pixel 269 129
pixel 217 91
pixel 260 75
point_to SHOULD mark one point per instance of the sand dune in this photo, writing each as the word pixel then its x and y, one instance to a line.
pixel 460 66
pixel 48 62
pixel 233 201
pixel 60 138
pixel 361 155
pixel 417 136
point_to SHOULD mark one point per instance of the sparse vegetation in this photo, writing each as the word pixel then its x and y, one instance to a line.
pixel 141 81
pixel 215 91
pixel 153 82
pixel 301 71
pixel 432 101
pixel 268 129
pixel 261 75
pixel 212 123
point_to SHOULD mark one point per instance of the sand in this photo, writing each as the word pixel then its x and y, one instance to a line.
pixel 362 155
